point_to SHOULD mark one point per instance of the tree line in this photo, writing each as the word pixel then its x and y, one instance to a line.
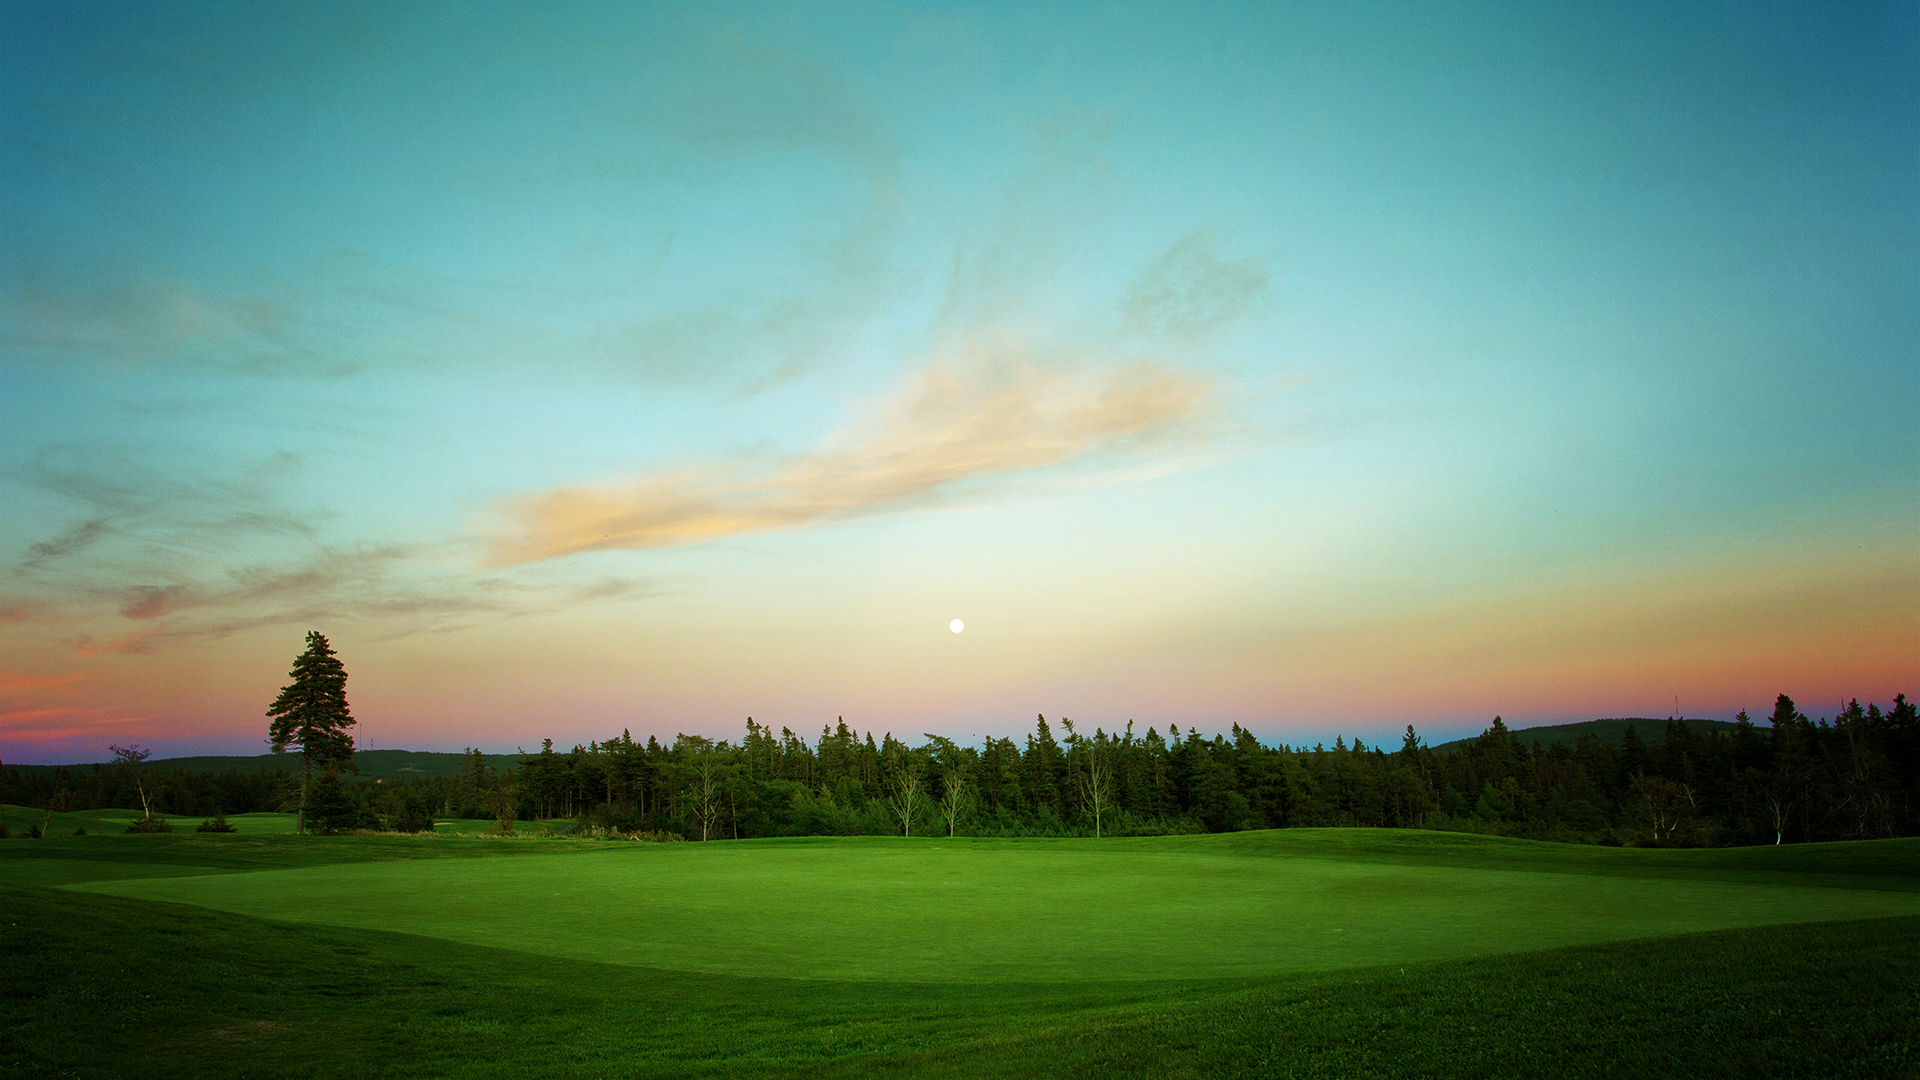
pixel 1855 776
pixel 1792 780
pixel 1788 780
pixel 191 793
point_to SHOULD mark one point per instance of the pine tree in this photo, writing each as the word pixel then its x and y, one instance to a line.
pixel 311 713
pixel 332 808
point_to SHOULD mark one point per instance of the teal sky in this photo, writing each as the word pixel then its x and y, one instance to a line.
pixel 1319 368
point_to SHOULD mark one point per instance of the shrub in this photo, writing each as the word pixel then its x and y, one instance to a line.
pixel 5 833
pixel 330 807
pixel 216 823
pixel 412 818
pixel 151 825
pixel 81 831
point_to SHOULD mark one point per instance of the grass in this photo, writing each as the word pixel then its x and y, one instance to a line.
pixel 934 910
pixel 1055 957
pixel 19 819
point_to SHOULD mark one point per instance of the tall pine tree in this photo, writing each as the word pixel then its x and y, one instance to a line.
pixel 311 714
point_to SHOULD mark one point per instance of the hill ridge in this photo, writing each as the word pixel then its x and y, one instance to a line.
pixel 1609 730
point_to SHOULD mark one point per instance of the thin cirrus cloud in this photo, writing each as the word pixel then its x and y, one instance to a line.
pixel 23 680
pixel 140 641
pixel 957 426
pixel 50 725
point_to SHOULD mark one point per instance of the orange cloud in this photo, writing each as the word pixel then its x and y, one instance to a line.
pixel 13 610
pixel 51 725
pixel 955 423
pixel 20 680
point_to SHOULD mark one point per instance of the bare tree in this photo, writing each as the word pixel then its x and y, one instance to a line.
pixel 954 799
pixel 1099 781
pixel 705 794
pixel 1782 808
pixel 1092 771
pixel 905 800
pixel 1670 807
pixel 129 759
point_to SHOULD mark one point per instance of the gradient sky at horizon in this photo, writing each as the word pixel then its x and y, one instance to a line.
pixel 1317 368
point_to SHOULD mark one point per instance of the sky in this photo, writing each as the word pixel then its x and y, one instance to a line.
pixel 1319 368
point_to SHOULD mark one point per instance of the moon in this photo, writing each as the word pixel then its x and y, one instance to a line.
pixel 956 626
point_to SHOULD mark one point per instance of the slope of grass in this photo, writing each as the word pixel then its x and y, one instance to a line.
pixel 936 910
pixel 1867 864
pixel 19 819
pixel 111 987
pixel 67 859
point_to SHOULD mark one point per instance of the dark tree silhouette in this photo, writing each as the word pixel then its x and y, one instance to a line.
pixel 128 758
pixel 311 713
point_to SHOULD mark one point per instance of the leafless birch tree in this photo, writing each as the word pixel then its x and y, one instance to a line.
pixel 906 796
pixel 953 799
pixel 705 795
pixel 1092 772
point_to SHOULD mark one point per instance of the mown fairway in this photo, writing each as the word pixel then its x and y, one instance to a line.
pixel 938 910
pixel 19 819
pixel 1295 953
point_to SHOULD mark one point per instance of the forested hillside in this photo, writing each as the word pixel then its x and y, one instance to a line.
pixel 1789 781
pixel 1611 732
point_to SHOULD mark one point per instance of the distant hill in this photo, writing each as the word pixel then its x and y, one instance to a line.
pixel 1609 732
pixel 374 764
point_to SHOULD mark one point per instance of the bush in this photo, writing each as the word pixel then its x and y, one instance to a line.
pixel 216 823
pixel 34 833
pixel 411 818
pixel 151 825
pixel 5 833
pixel 330 806
pixel 81 831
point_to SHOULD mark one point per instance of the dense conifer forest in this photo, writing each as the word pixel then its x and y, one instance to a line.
pixel 1789 780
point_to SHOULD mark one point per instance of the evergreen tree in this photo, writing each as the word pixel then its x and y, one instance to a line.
pixel 332 808
pixel 1046 767
pixel 1634 758
pixel 311 713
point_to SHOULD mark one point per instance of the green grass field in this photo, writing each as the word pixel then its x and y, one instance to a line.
pixel 19 819
pixel 1302 952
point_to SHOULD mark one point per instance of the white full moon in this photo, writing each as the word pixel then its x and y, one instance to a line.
pixel 956 626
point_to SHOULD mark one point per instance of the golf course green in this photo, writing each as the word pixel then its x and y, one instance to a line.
pixel 940 910
pixel 1328 952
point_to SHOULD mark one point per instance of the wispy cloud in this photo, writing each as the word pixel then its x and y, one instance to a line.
pixel 1192 290
pixel 153 601
pixel 76 539
pixel 14 609
pixel 144 318
pixel 159 547
pixel 20 680
pixel 48 725
pixel 958 424
pixel 140 641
